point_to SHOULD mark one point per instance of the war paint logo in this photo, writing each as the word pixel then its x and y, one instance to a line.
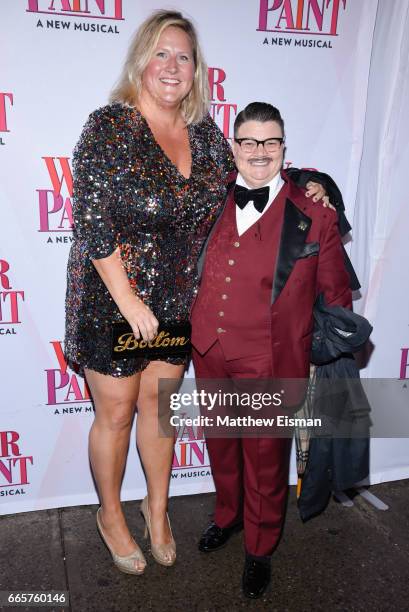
pixel 6 102
pixel 67 392
pixel 190 458
pixel 14 465
pixel 55 202
pixel 404 364
pixel 223 112
pixel 90 9
pixel 10 302
pixel 317 18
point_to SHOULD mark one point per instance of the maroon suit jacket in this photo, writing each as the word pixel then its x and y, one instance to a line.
pixel 310 261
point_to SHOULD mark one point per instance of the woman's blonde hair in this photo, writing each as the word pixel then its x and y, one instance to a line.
pixel 196 104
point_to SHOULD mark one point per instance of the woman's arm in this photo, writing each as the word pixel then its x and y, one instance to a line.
pixel 139 316
pixel 95 211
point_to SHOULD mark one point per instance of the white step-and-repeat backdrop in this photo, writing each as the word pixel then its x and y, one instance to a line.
pixel 59 60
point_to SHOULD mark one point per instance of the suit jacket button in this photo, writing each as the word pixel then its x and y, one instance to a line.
pixel 221 313
pixel 231 262
pixel 224 296
pixel 227 279
pixel 236 244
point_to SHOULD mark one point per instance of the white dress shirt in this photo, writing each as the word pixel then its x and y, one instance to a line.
pixel 247 216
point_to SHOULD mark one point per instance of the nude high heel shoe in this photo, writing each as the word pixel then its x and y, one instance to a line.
pixel 165 554
pixel 124 564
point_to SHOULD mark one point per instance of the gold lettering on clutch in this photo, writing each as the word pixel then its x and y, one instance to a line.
pixel 128 342
pixel 159 339
pixel 179 340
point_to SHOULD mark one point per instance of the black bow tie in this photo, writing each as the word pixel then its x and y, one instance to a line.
pixel 259 197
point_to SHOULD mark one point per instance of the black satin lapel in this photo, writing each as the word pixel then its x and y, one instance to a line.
pixel 295 229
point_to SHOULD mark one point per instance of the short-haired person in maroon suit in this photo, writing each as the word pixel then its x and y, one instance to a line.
pixel 269 255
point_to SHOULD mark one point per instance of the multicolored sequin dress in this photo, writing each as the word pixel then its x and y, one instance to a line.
pixel 128 193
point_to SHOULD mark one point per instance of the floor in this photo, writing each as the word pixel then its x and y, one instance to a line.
pixel 346 559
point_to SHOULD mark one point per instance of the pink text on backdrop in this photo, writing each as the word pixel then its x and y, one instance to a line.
pixel 3 109
pixel 13 467
pixel 190 448
pixel 221 111
pixel 64 386
pixel 404 364
pixel 300 16
pixel 101 9
pixel 55 210
pixel 9 298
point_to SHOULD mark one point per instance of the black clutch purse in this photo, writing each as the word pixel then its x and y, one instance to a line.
pixel 173 339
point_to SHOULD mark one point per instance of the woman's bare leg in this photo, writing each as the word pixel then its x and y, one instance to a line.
pixel 115 402
pixel 156 452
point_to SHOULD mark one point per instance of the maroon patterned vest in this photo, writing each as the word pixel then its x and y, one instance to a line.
pixel 234 300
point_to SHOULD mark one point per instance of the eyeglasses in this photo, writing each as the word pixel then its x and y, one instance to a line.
pixel 249 145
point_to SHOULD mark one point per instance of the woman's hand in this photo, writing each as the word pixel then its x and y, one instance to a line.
pixel 317 192
pixel 140 317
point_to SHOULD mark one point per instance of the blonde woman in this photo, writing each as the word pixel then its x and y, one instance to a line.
pixel 150 175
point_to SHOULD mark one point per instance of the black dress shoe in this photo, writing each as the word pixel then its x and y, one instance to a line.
pixel 256 577
pixel 215 537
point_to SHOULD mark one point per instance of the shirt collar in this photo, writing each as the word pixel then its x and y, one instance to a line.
pixel 272 184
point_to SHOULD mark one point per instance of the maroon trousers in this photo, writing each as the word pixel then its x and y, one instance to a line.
pixel 250 474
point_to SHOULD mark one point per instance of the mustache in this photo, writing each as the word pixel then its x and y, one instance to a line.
pixel 258 158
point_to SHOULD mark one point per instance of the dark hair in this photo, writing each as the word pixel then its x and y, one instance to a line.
pixel 258 111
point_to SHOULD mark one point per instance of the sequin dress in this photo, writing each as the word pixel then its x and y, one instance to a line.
pixel 128 193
